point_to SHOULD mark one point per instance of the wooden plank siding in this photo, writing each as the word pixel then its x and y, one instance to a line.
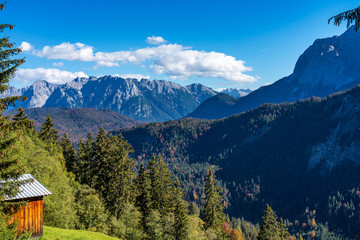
pixel 30 217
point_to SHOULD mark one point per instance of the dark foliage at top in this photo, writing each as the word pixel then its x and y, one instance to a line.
pixel 351 16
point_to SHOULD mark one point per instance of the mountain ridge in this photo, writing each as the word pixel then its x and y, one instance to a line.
pixel 78 122
pixel 329 65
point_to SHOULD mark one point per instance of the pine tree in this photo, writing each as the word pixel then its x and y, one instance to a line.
pixel 284 233
pixel 10 167
pixel 81 162
pixel 194 209
pixel 8 66
pixel 181 225
pixel 69 153
pixel 351 16
pixel 162 186
pixel 88 161
pixel 143 199
pixel 47 132
pixel 112 171
pixel 213 208
pixel 21 119
pixel 84 160
pixel 269 229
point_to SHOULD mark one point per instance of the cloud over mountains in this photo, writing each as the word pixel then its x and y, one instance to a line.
pixel 173 60
pixel 52 75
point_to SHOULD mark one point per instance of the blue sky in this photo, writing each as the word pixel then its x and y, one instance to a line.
pixel 227 43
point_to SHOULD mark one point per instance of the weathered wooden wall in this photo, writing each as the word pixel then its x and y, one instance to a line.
pixel 30 217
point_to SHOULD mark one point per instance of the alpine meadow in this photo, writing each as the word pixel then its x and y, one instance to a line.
pixel 202 120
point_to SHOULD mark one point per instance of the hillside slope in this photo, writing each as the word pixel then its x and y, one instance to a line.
pixel 78 122
pixel 294 156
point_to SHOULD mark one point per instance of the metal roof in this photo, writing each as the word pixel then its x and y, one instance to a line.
pixel 32 188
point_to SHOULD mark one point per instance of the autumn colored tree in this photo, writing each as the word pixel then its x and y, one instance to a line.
pixel 235 235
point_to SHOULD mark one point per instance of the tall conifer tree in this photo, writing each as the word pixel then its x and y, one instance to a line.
pixel 112 171
pixel 181 224
pixel 213 209
pixel 8 65
pixel 21 119
pixel 47 132
pixel 84 161
pixel 284 233
pixel 143 199
pixel 270 228
pixel 69 153
pixel 10 167
pixel 162 186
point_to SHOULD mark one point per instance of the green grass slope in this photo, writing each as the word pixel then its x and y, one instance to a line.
pixel 51 233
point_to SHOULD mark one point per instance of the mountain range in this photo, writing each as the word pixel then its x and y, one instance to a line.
pixel 235 92
pixel 143 100
pixel 329 65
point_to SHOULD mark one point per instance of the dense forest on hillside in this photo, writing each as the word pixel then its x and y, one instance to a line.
pixel 299 157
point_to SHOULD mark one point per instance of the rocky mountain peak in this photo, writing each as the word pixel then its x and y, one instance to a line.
pixel 329 65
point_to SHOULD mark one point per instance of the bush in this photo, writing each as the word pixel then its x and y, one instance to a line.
pixel 128 225
pixel 90 210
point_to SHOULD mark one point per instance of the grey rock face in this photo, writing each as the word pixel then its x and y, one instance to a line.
pixel 37 93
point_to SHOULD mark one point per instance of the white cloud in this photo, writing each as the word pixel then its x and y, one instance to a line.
pixel 51 75
pixel 137 76
pixel 67 51
pixel 220 89
pixel 58 64
pixel 155 40
pixel 26 47
pixel 174 60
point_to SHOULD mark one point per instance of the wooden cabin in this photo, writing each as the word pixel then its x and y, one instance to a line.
pixel 30 216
